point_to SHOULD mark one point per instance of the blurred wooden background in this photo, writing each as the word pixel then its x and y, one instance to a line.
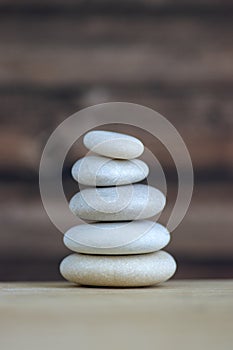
pixel 57 57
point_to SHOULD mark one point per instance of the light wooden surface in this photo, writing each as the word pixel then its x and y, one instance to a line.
pixel 176 315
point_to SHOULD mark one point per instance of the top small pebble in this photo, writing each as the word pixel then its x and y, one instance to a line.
pixel 113 144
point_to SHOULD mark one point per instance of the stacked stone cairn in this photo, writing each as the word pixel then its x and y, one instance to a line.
pixel 116 246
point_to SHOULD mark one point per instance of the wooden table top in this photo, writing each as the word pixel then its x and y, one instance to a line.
pixel 176 315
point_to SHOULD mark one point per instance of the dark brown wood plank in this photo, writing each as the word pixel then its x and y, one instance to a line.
pixel 58 66
pixel 142 2
pixel 203 119
pixel 148 4
pixel 95 30
pixel 116 51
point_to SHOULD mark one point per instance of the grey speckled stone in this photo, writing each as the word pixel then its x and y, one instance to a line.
pixel 128 202
pixel 136 237
pixel 102 171
pixel 113 144
pixel 118 271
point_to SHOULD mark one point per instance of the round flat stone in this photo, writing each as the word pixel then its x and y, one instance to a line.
pixel 122 203
pixel 118 271
pixel 113 144
pixel 118 238
pixel 102 171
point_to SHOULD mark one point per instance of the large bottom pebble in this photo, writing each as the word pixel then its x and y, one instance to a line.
pixel 118 271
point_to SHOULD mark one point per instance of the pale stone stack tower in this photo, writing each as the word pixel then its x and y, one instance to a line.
pixel 119 247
